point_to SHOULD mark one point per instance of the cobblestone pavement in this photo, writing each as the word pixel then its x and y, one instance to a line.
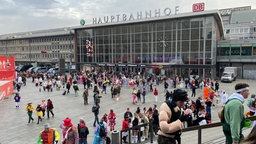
pixel 13 122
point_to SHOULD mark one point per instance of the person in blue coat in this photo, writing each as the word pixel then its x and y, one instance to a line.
pixel 98 138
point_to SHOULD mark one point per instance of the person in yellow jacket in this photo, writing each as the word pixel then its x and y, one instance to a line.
pixel 48 135
pixel 39 113
pixel 29 109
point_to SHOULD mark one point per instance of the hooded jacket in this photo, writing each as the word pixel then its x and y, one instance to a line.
pixel 234 115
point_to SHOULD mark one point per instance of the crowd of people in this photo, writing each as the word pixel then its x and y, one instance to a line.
pixel 178 111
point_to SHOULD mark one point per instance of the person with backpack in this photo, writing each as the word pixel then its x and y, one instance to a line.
pixel 49 108
pixel 82 132
pixel 100 133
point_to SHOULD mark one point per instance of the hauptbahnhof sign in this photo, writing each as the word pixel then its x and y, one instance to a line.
pixel 138 16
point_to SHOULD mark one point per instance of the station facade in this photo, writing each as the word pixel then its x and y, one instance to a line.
pixel 170 44
pixel 181 44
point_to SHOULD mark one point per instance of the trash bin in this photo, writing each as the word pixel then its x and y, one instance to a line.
pixel 115 137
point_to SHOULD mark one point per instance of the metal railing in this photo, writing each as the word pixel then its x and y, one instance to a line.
pixel 199 128
pixel 139 133
pixel 192 128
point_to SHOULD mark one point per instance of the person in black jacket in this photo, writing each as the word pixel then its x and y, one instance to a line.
pixel 198 105
pixel 135 129
pixel 166 85
pixel 82 132
pixel 68 87
pixel 217 86
pixel 49 108
pixel 95 111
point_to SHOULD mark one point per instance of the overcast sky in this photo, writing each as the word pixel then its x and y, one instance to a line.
pixel 30 15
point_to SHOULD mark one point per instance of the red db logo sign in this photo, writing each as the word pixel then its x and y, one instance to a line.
pixel 197 7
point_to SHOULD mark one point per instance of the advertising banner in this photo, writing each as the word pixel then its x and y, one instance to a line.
pixel 6 89
pixel 7 63
pixel 7 68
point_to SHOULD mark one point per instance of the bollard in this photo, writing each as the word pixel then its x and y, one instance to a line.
pixel 115 137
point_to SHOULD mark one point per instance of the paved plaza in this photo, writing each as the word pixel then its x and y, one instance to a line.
pixel 14 128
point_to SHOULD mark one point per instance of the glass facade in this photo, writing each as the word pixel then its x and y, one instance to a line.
pixel 184 41
pixel 189 42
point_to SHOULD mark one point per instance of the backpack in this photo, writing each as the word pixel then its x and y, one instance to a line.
pixel 94 108
pixel 51 105
pixel 102 130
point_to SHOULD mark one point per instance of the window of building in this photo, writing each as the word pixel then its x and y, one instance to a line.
pixel 224 51
pixel 235 51
pixel 246 51
pixel 254 50
pixel 232 31
pixel 246 30
pixel 227 31
pixel 241 30
pixel 237 30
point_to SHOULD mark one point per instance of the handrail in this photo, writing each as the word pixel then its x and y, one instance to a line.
pixel 139 136
pixel 199 128
pixel 210 125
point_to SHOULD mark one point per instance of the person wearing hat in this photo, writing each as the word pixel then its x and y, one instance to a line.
pixel 29 109
pixel 234 119
pixel 48 135
pixel 69 132
pixel 171 118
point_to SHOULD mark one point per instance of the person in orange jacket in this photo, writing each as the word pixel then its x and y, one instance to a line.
pixel 48 135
